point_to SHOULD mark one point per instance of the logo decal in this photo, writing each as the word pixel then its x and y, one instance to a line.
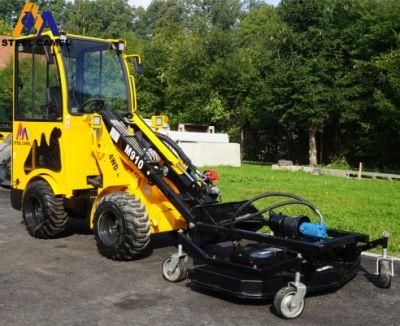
pixel 113 162
pixel 22 133
pixel 114 135
pixel 31 22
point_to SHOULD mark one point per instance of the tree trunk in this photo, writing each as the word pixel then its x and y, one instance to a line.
pixel 312 143
pixel 242 149
pixel 321 148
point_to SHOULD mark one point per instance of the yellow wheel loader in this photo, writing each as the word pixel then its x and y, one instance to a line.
pixel 80 149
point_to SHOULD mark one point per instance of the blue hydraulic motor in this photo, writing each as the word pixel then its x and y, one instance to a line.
pixel 296 227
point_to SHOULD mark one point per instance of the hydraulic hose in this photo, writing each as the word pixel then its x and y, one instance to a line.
pixel 272 194
pixel 297 200
pixel 272 207
pixel 170 142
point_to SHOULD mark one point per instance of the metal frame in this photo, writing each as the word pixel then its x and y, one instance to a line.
pixel 339 238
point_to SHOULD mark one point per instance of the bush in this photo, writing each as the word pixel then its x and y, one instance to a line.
pixel 339 163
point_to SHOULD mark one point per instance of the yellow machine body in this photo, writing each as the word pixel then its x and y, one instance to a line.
pixel 86 151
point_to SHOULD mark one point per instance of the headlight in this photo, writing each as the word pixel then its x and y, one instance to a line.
pixel 96 121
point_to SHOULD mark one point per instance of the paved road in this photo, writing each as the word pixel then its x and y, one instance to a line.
pixel 66 282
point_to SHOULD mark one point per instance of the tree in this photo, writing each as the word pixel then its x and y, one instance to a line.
pixel 4 28
pixel 10 10
pixel 60 9
pixel 6 91
pixel 101 18
pixel 316 48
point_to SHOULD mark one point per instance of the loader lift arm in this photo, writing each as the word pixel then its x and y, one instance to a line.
pixel 137 146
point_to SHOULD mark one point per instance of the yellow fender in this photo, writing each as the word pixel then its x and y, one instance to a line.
pixel 57 189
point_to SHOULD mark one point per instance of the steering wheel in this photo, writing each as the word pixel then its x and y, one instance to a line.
pixel 97 105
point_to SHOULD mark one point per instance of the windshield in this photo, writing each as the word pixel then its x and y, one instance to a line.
pixel 96 77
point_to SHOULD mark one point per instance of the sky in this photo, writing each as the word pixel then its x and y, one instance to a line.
pixel 145 3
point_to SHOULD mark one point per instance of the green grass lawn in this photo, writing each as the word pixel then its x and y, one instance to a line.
pixel 366 206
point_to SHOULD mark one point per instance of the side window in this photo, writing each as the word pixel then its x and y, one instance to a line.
pixel 37 84
pixel 91 85
pixel 71 68
pixel 104 79
pixel 113 82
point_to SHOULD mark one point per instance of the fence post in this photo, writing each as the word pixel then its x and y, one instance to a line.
pixel 360 167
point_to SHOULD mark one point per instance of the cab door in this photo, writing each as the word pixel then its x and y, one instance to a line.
pixel 38 120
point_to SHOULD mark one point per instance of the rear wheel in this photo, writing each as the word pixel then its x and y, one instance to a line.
pixel 121 227
pixel 43 212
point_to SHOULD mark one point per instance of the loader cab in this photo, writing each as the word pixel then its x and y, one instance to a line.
pixel 60 84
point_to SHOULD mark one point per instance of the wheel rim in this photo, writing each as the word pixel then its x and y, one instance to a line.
pixel 109 228
pixel 287 309
pixel 34 213
pixel 171 276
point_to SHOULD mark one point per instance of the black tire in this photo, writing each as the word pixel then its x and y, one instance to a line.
pixel 7 168
pixel 282 303
pixel 384 279
pixel 43 212
pixel 179 274
pixel 122 227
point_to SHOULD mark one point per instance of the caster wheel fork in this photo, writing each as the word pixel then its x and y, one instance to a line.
pixel 384 266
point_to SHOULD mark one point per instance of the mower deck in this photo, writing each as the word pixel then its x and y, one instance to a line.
pixel 232 257
pixel 263 283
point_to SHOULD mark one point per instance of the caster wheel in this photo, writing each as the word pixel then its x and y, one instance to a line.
pixel 179 274
pixel 283 306
pixel 384 278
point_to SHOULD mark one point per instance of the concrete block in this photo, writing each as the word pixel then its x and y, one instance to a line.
pixel 203 154
pixel 285 163
pixel 198 137
pixel 293 168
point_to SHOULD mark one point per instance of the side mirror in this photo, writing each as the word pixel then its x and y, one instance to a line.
pixel 137 61
pixel 139 66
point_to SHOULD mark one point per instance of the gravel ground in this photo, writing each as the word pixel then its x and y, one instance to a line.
pixel 66 282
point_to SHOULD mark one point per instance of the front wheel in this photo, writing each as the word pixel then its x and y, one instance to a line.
pixel 176 274
pixel 121 227
pixel 283 303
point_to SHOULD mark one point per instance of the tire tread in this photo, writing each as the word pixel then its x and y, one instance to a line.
pixel 56 218
pixel 136 239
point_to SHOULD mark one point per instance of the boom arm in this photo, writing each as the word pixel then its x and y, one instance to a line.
pixel 144 150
